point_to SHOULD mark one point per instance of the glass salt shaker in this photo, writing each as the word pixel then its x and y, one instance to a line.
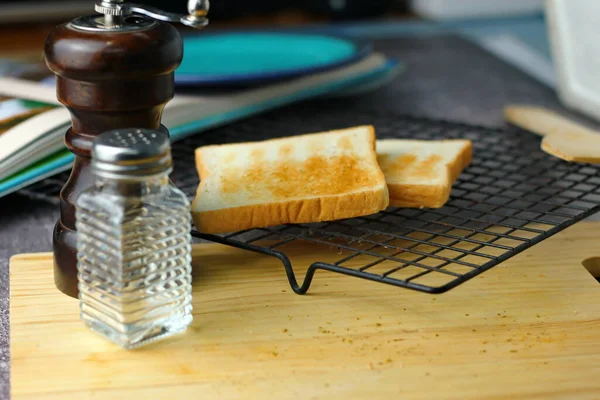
pixel 133 241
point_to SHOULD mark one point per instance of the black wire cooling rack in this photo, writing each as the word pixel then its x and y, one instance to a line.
pixel 511 197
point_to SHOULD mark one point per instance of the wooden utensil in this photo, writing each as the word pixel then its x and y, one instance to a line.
pixel 563 138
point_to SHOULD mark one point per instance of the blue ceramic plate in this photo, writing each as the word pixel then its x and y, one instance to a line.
pixel 248 58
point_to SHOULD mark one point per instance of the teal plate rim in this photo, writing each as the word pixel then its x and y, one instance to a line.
pixel 361 49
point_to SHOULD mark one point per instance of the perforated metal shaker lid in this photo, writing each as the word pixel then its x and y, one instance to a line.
pixel 126 153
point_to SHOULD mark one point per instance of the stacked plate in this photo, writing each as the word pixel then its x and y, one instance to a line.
pixel 234 59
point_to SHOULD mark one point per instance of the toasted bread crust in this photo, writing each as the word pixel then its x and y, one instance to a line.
pixel 295 211
pixel 461 162
pixel 311 209
pixel 430 196
pixel 418 196
pixel 370 128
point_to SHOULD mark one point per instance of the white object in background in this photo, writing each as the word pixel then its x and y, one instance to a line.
pixel 574 36
pixel 517 53
pixel 448 9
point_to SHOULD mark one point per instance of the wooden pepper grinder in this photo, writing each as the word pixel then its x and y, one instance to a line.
pixel 114 70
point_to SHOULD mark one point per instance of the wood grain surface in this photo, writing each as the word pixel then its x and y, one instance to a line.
pixel 528 328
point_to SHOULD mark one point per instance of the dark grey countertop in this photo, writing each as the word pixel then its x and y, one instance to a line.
pixel 446 77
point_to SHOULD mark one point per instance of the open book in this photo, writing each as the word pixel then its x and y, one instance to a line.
pixel 32 148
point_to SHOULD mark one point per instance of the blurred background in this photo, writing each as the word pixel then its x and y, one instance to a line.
pixel 290 11
pixel 24 24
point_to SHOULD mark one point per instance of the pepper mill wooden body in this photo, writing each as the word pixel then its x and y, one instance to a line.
pixel 110 78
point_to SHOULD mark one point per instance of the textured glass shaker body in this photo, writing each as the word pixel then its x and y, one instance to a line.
pixel 134 247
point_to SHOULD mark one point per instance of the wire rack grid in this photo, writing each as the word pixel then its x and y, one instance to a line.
pixel 511 197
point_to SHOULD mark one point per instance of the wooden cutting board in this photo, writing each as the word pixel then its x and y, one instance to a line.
pixel 529 328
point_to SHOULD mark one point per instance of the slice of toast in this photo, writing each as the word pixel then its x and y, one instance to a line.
pixel 420 173
pixel 308 178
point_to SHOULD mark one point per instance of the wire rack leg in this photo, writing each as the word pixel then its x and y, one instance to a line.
pixel 287 265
